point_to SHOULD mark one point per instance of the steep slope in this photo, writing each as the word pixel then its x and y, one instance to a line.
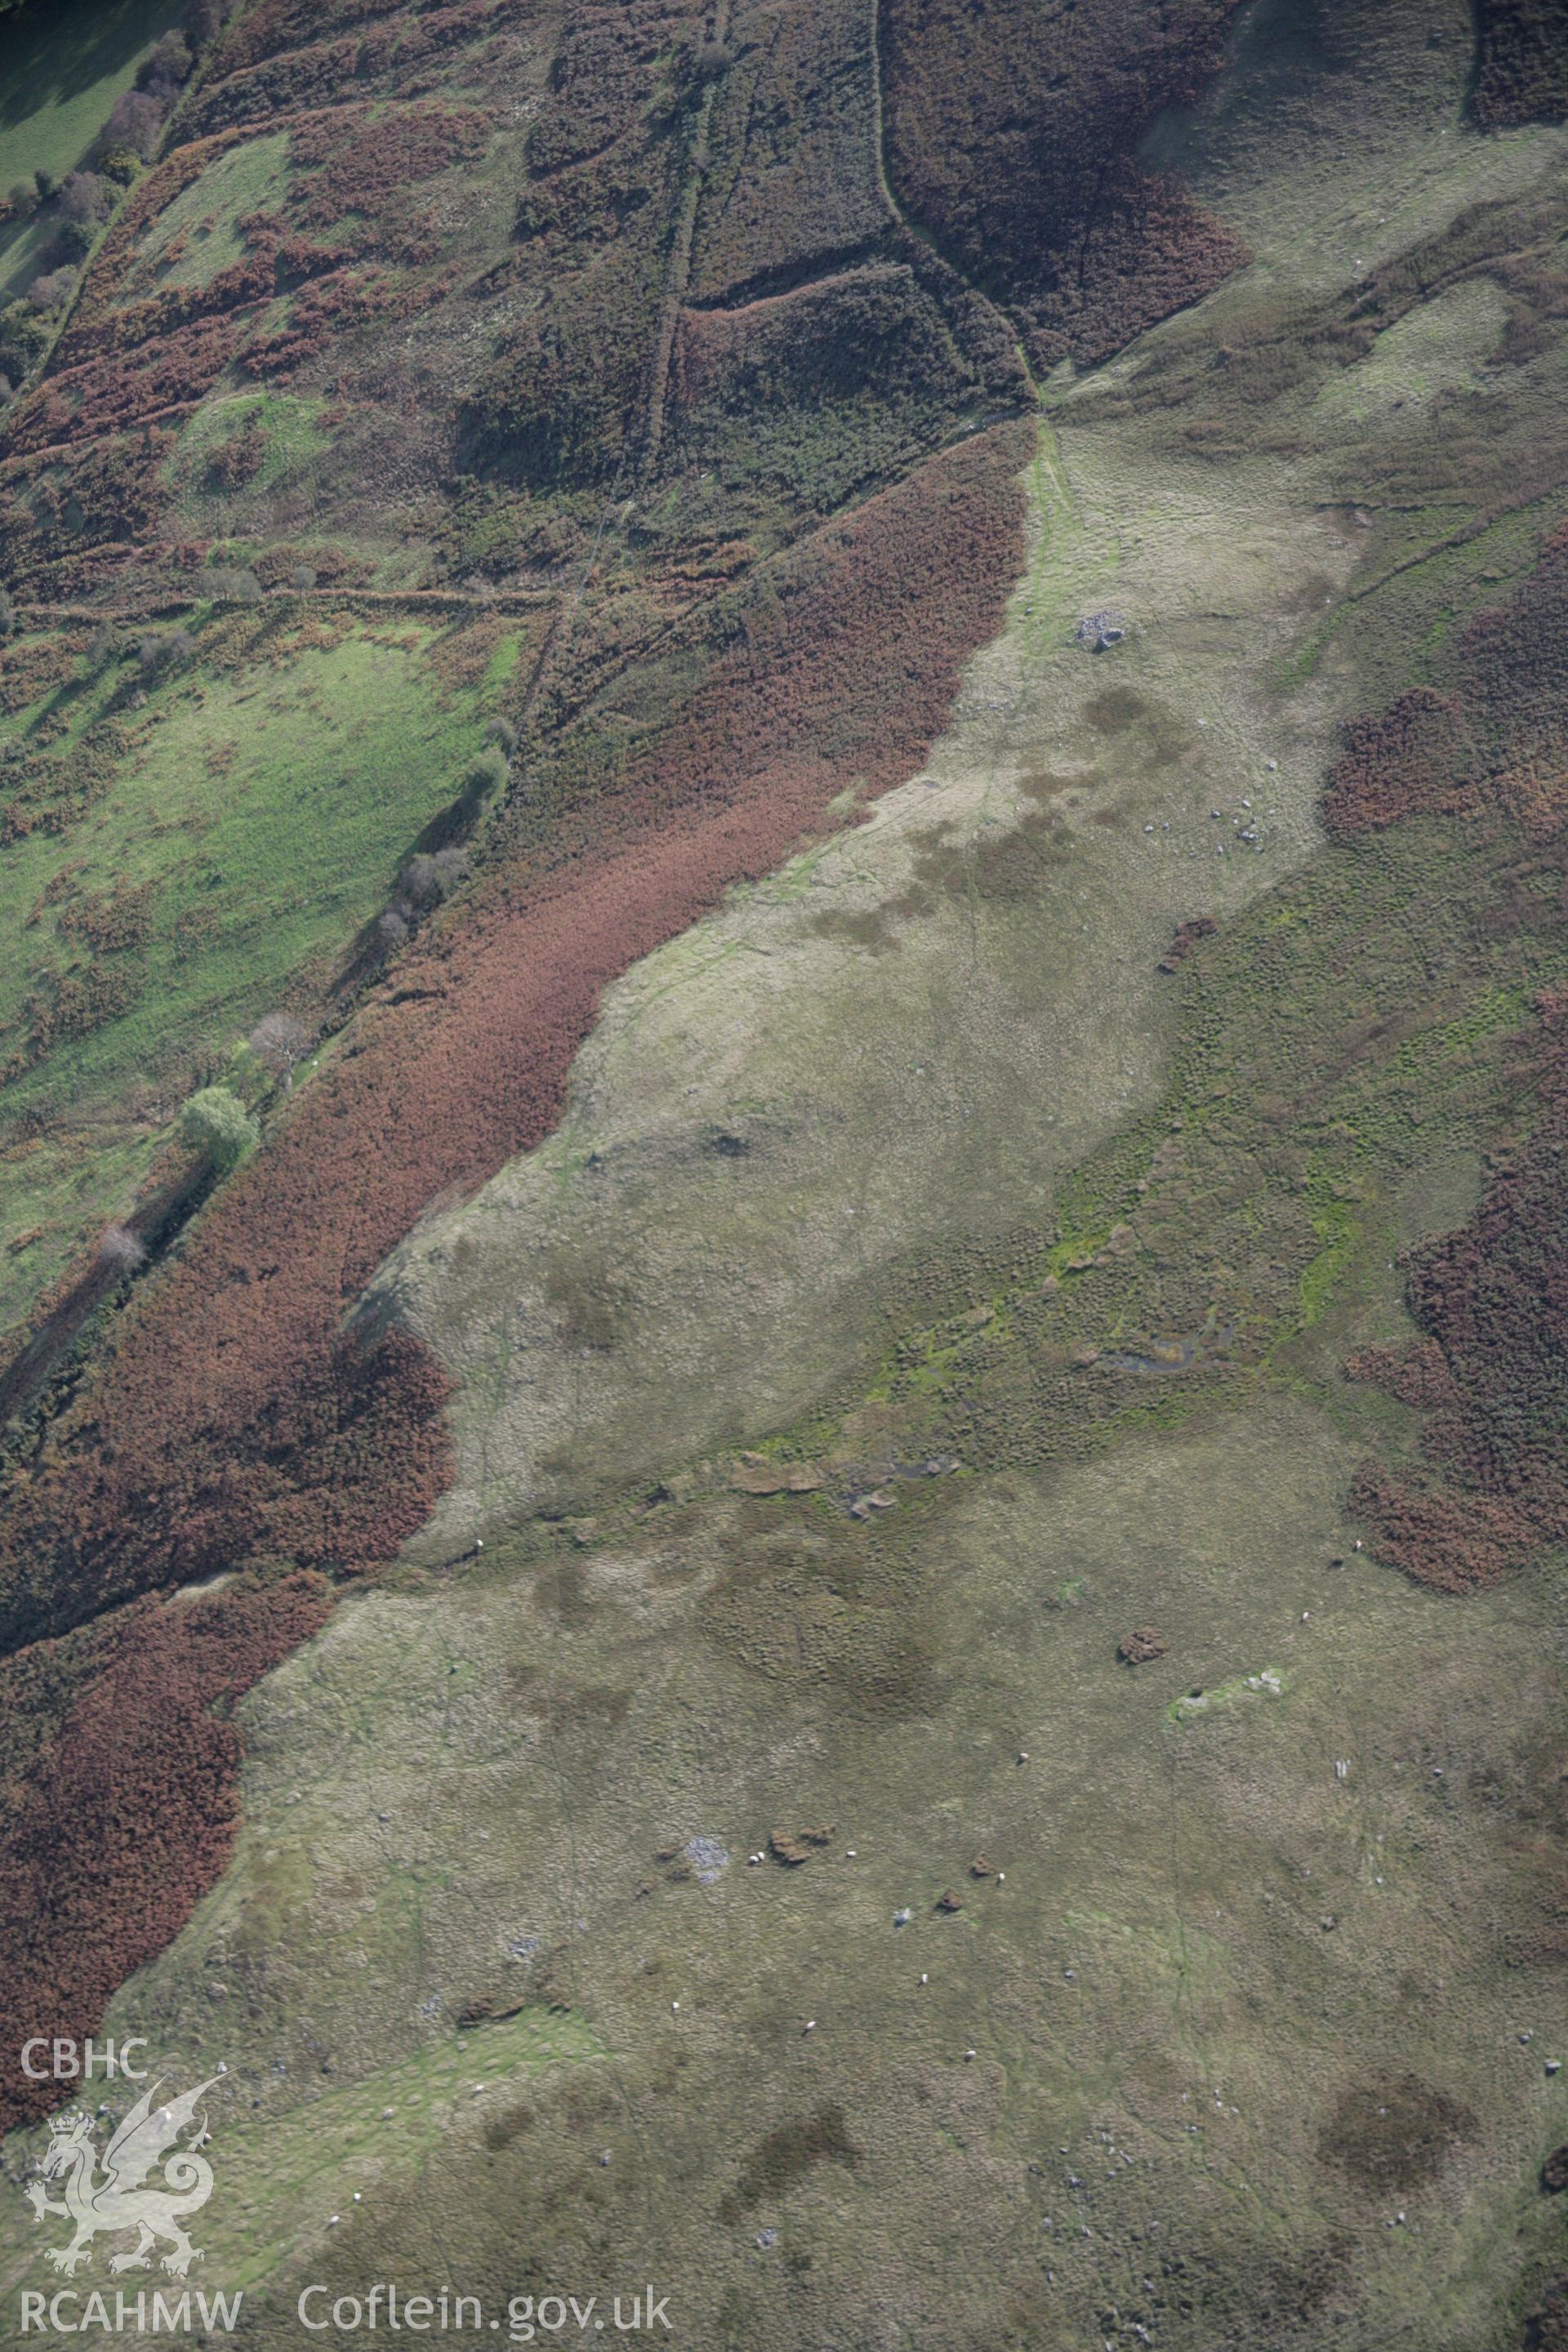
pixel 943 1264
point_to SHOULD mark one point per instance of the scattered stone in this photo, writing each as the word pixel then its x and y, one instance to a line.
pixel 708 1858
pixel 901 1918
pixel 1143 1643
pixel 1100 631
pixel 487 2011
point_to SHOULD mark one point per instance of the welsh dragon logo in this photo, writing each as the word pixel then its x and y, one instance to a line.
pixel 115 2198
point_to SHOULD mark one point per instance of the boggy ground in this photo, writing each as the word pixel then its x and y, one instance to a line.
pixel 1244 1939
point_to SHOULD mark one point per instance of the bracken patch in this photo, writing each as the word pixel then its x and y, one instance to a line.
pixel 123 1810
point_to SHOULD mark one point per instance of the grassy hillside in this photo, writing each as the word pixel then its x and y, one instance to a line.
pixel 837 1576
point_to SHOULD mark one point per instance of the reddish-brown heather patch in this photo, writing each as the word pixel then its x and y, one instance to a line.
pixel 119 1768
pixel 1011 136
pixel 1497 735
pixel 1492 1301
pixel 1492 1298
pixel 1417 1376
pixel 1410 758
pixel 359 160
pixel 317 52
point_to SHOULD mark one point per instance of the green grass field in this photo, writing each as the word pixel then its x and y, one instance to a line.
pixel 63 63
pixel 258 820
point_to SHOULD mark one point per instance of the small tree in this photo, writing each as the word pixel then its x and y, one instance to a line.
pixel 169 65
pixel 503 735
pixel 84 196
pixel 421 882
pixel 204 20
pixel 53 289
pixel 135 121
pixel 217 1123
pixel 279 1040
pixel 488 775
pixel 231 587
pixel 46 184
pixel 393 927
pixel 302 577
pixel 157 653
pixel 426 881
pixel 7 614
pixel 119 1247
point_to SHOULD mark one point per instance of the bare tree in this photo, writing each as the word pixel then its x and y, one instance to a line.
pixel 55 287
pixel 279 1040
pixel 155 653
pixel 84 196
pixel 135 123
pixel 119 1247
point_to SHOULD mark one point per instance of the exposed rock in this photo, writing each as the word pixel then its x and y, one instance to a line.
pixel 754 1474
pixel 1143 1643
